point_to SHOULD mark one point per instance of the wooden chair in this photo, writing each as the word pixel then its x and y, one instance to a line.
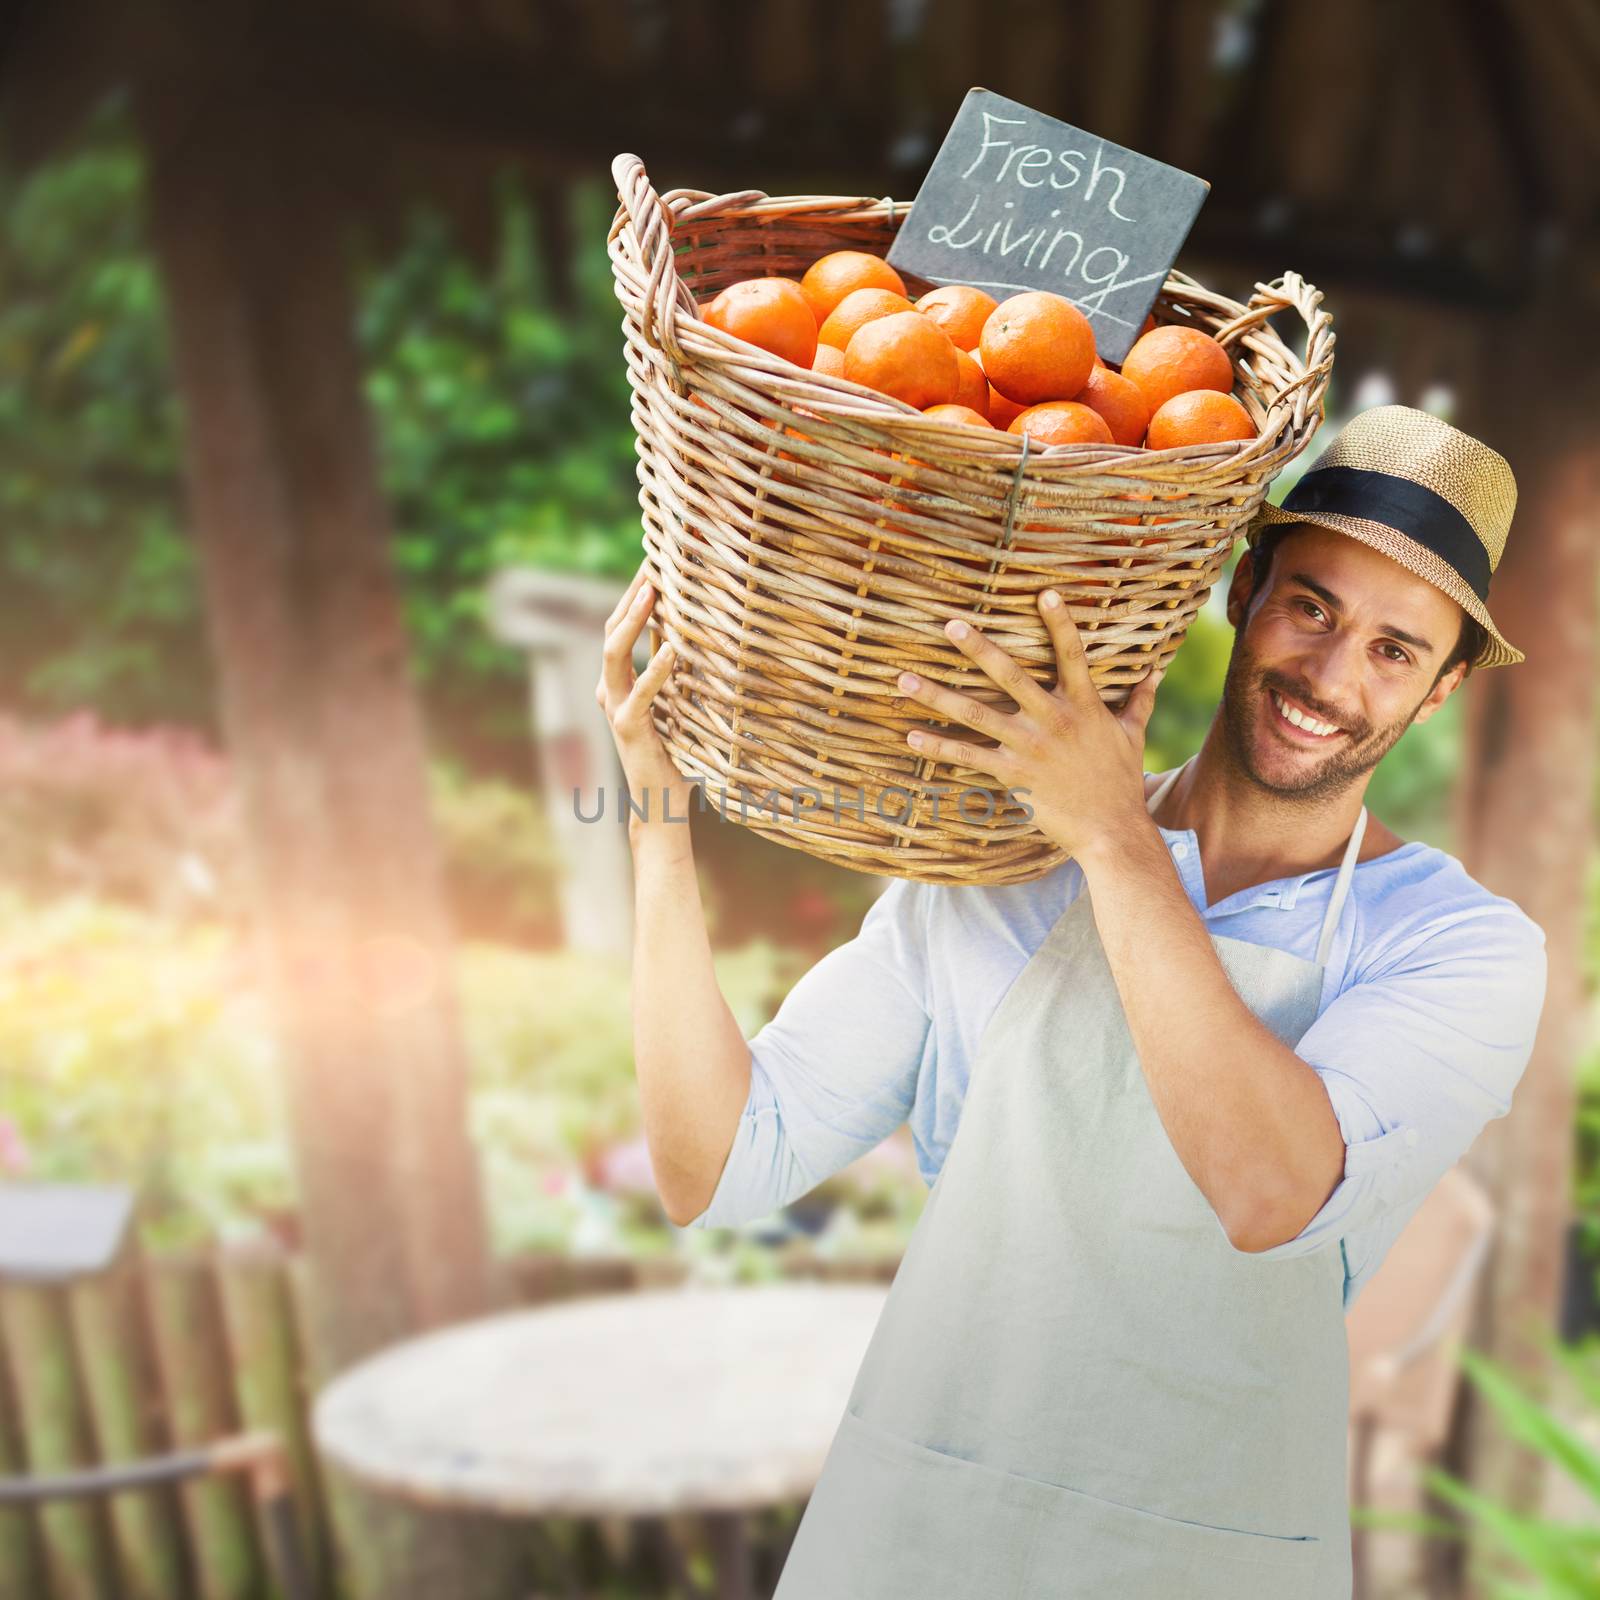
pixel 1405 1330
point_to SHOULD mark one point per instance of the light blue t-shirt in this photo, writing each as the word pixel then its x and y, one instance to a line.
pixel 1431 998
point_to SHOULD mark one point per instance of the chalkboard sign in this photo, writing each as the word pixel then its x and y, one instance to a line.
pixel 1016 200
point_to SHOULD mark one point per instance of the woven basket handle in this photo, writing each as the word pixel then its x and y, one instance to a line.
pixel 1291 292
pixel 650 227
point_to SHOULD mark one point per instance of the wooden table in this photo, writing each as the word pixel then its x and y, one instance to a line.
pixel 713 1401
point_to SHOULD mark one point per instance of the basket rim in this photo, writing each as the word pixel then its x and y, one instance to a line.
pixel 871 405
pixel 682 205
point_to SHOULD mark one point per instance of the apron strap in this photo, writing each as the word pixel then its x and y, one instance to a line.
pixel 1341 887
pixel 1341 884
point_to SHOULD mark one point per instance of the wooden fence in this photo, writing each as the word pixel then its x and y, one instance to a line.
pixel 173 1350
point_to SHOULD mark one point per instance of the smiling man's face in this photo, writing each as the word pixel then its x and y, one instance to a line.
pixel 1333 659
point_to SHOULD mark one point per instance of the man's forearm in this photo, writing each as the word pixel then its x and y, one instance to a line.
pixel 691 1058
pixel 1249 1119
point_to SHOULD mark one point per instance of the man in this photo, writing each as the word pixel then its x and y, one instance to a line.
pixel 1202 1076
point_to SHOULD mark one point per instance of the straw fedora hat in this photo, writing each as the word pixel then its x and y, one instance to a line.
pixel 1423 493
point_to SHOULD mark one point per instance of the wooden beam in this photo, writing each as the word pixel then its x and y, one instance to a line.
pixel 1526 825
pixel 304 617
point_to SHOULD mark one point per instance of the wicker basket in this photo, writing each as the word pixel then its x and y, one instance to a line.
pixel 808 539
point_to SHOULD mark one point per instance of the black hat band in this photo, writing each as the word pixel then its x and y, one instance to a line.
pixel 1409 508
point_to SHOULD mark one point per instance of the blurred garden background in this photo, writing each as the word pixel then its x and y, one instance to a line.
pixel 307 337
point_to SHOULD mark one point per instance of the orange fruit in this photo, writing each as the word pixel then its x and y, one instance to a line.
pixel 974 389
pixel 1037 346
pixel 830 359
pixel 1062 422
pixel 856 310
pixel 831 277
pixel 1003 412
pixel 960 310
pixel 1120 401
pixel 1172 360
pixel 905 355
pixel 1200 416
pixel 771 313
pixel 958 413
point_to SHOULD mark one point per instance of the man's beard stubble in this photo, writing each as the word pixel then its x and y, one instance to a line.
pixel 1360 748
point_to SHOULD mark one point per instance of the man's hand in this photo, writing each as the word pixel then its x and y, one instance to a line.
pixel 654 782
pixel 1080 764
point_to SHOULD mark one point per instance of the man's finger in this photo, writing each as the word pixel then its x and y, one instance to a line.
pixel 627 598
pixel 617 655
pixel 636 706
pixel 1141 702
pixel 1072 662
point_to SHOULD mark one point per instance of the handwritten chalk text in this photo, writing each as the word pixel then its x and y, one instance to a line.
pixel 1026 159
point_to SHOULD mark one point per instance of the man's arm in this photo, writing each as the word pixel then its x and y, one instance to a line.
pixel 690 1057
pixel 1382 1094
pixel 827 1079
pixel 1249 1119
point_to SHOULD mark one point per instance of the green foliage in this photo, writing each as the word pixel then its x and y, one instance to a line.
pixel 1187 698
pixel 149 818
pixel 136 1053
pixel 139 1049
pixel 501 863
pixel 98 599
pixel 554 1084
pixel 1562 1558
pixel 1586 1173
pixel 502 427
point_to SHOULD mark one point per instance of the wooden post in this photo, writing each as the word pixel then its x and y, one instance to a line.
pixel 193 1359
pixel 322 726
pixel 56 1436
pixel 21 1562
pixel 267 1377
pixel 361 1542
pixel 108 1324
pixel 1526 826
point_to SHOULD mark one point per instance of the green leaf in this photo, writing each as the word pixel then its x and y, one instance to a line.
pixel 1532 1425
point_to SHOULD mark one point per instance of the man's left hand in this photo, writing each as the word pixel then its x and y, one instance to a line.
pixel 1079 764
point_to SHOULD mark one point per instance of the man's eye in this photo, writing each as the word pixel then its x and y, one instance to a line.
pixel 1399 654
pixel 1310 606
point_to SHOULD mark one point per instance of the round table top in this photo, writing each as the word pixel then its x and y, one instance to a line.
pixel 681 1399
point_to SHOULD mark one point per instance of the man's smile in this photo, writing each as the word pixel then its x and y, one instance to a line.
pixel 1297 722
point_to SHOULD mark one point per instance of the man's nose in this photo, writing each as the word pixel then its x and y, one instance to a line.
pixel 1331 668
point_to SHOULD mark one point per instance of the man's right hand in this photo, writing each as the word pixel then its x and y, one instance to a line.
pixel 626 700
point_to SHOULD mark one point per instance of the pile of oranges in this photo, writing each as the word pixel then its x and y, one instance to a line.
pixel 1027 364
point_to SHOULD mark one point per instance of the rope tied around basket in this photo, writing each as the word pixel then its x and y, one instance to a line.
pixel 1012 498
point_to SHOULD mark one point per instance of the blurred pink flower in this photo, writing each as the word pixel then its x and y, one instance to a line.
pixel 14 1158
pixel 626 1167
pixel 893 1155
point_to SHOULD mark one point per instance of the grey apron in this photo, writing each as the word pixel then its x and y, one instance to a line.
pixel 1078 1388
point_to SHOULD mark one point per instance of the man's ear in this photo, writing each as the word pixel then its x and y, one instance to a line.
pixel 1239 587
pixel 1441 691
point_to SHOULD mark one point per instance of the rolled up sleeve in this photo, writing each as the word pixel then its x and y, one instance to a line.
pixel 835 1071
pixel 1417 1060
